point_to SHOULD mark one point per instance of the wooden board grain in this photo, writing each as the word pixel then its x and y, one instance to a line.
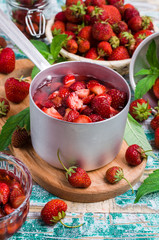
pixel 54 180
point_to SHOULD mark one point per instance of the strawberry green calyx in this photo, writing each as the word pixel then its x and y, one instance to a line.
pixel 146 20
pixel 22 79
pixel 120 175
pixel 97 11
pixel 3 108
pixel 114 41
pixel 78 9
pixel 142 111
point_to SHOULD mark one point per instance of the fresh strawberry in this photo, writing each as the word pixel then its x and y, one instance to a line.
pixel 8 208
pixel 155 121
pixel 157 138
pixel 83 119
pixel 52 112
pixel 72 115
pixel 85 33
pixel 142 34
pixel 140 109
pixel 19 16
pixel 83 45
pixel 75 12
pixel 156 88
pixel 126 39
pixel 135 24
pixel 4 107
pixel 114 15
pixel 58 27
pixel 104 49
pixel 120 26
pixel 98 3
pixel 73 101
pixel 114 42
pixel 76 176
pixel 7 60
pixel 20 137
pixel 4 193
pixel 16 89
pixel 101 106
pixel 88 2
pixel 77 86
pixel 68 80
pixel 130 13
pixel 71 35
pixel 83 93
pixel 116 174
pixel 92 54
pixel 73 2
pixel 102 31
pixel 147 23
pixel 3 42
pixel 115 2
pixel 95 117
pixel 119 98
pixel 71 46
pixel 98 14
pixel 135 155
pixel 71 27
pixel 119 53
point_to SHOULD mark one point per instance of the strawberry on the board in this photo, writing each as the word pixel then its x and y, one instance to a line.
pixel 4 193
pixel 135 155
pixel 140 109
pixel 7 60
pixel 20 137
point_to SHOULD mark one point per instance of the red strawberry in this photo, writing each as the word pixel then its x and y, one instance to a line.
pixel 156 88
pixel 95 117
pixel 113 112
pixel 83 45
pixel 35 26
pixel 75 12
pixel 157 138
pixel 119 53
pixel 16 89
pixel 115 2
pixel 119 98
pixel 102 31
pixel 52 112
pixel 68 80
pixel 135 155
pixel 16 185
pixel 77 86
pixel 92 54
pixel 88 99
pixel 20 137
pixel 8 209
pixel 147 23
pixel 140 109
pixel 4 193
pixel 98 3
pixel 83 119
pixel 64 92
pixel 57 102
pixel 71 35
pixel 2 214
pixel 72 115
pixel 85 33
pixel 71 27
pixel 101 106
pixel 142 34
pixel 82 93
pixel 96 88
pixel 73 101
pixel 17 201
pixel 73 2
pixel 76 176
pixel 155 121
pixel 104 49
pixel 135 23
pixel 71 46
pixel 120 26
pixel 86 110
pixel 130 13
pixel 3 42
pixel 98 14
pixel 114 42
pixel 58 27
pixel 7 60
pixel 113 14
pixel 4 107
pixel 115 174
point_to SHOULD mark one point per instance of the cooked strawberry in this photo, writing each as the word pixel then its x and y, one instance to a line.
pixel 119 53
pixel 52 112
pixel 119 98
pixel 135 155
pixel 68 80
pixel 3 42
pixel 8 208
pixel 64 92
pixel 156 88
pixel 83 93
pixel 130 13
pixel 77 86
pixel 16 89
pixel 92 83
pixel 92 54
pixel 53 95
pixel 85 33
pixel 19 16
pixel 157 138
pixel 88 99
pixel 72 115
pixel 57 102
pixel 107 96
pixel 82 119
pixel 95 117
pixel 140 109
pixel 113 112
pixel 73 101
pixel 83 45
pixel 61 110
pixel 17 201
pixel 98 89
pixel 71 46
pixel 86 110
pixel 58 27
pixel 20 137
pixel 4 107
pixel 120 26
pixel 101 106
pixel 104 49
pixel 54 86
pixel 2 214
pixel 7 60
pixel 4 193
pixel 102 31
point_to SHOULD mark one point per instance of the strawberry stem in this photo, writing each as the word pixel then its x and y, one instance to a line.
pixel 58 152
pixel 71 226
pixel 129 184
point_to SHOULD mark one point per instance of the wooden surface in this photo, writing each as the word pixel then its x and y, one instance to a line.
pixel 54 180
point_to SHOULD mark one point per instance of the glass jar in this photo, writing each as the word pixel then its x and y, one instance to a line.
pixel 29 16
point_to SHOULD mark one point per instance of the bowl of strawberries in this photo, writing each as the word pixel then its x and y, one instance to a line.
pixel 106 34
pixel 15 191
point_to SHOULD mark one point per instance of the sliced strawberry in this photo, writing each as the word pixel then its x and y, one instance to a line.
pixel 98 89
pixel 101 106
pixel 113 112
pixel 64 92
pixel 4 193
pixel 74 102
pixel 8 208
pixel 16 202
pixel 61 110
pixel 107 96
pixel 119 98
pixel 95 117
pixel 82 119
pixel 52 112
pixel 53 95
pixel 72 115
pixel 86 110
pixel 82 93
pixel 88 99
pixel 15 192
pixel 57 101
pixel 77 86
pixel 16 185
pixel 68 80
pixel 92 83
pixel 66 113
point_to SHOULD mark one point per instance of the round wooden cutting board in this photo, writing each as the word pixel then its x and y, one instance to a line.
pixel 54 180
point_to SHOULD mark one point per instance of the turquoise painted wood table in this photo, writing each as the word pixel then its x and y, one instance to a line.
pixel 117 218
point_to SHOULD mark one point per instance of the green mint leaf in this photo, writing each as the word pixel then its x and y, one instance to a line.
pixel 56 45
pixel 150 185
pixel 40 46
pixel 34 72
pixel 134 134
pixel 151 55
pixel 143 72
pixel 22 119
pixel 144 85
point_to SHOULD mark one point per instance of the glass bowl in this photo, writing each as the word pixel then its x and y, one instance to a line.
pixel 11 223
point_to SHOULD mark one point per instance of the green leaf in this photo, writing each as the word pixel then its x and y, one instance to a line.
pixel 144 85
pixel 22 119
pixel 151 55
pixel 143 72
pixel 41 46
pixel 150 185
pixel 134 134
pixel 34 72
pixel 56 45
